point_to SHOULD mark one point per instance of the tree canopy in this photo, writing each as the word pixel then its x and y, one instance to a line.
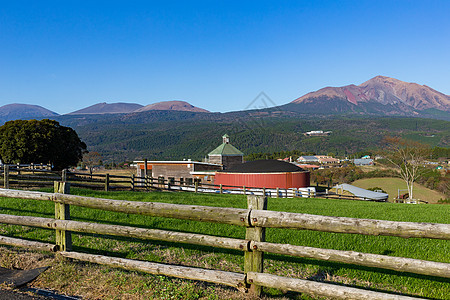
pixel 44 141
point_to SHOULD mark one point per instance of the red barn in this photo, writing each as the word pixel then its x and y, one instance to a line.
pixel 264 174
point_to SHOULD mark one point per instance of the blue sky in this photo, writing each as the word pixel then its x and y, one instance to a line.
pixel 218 55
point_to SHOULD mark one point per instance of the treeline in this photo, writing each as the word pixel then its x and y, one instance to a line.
pixel 294 154
pixel 441 152
pixel 164 135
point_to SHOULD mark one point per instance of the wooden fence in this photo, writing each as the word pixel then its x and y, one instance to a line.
pixel 24 176
pixel 256 218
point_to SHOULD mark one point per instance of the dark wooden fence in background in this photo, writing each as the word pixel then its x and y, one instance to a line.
pixel 255 218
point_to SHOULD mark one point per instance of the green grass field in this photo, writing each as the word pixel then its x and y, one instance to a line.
pixel 391 186
pixel 214 258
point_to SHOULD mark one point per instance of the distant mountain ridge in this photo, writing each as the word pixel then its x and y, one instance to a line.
pixel 172 105
pixel 379 95
pixel 108 108
pixel 24 111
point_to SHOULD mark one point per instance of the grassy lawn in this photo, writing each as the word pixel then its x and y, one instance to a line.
pixel 100 282
pixel 391 185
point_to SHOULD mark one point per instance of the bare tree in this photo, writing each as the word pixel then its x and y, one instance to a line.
pixel 92 159
pixel 408 157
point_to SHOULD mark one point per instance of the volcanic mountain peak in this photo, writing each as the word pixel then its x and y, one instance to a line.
pixel 384 90
pixel 24 111
pixel 172 105
pixel 108 108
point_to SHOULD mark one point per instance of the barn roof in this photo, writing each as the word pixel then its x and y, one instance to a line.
pixel 362 193
pixel 265 166
pixel 226 149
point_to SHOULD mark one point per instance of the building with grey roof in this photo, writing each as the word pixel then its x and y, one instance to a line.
pixel 226 154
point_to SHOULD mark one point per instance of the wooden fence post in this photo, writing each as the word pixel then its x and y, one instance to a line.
pixel 145 167
pixel 243 189
pixel 278 192
pixel 6 176
pixel 132 182
pixel 64 175
pixel 107 182
pixel 253 259
pixel 196 186
pixel 62 212
pixel 221 190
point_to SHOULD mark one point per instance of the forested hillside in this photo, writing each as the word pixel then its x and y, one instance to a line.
pixel 178 135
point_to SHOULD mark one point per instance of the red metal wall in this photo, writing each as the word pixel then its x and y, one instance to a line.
pixel 267 180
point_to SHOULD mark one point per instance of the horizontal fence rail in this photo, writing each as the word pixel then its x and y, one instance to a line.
pixel 255 218
pixel 319 289
pixel 275 219
pixel 5 240
pixel 127 231
pixel 220 277
pixel 402 264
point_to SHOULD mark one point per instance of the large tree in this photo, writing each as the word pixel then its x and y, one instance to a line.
pixel 45 141
pixel 408 157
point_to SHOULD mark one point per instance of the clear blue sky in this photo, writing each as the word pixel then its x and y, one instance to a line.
pixel 218 55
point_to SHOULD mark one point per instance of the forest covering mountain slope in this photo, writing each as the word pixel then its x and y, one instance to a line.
pixel 178 135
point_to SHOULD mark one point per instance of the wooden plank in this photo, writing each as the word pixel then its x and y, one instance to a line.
pixel 233 216
pixel 220 277
pixel 330 291
pixel 5 240
pixel 127 231
pixel 275 219
pixel 254 258
pixel 400 264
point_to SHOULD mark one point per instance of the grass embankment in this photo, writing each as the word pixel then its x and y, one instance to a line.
pixel 392 184
pixel 100 282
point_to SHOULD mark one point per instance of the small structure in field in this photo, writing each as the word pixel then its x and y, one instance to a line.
pixel 317 133
pixel 363 162
pixel 361 193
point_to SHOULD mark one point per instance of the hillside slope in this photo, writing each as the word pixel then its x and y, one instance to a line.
pixel 24 111
pixel 171 105
pixel 108 108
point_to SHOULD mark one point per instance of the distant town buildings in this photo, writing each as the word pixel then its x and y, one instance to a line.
pixel 320 159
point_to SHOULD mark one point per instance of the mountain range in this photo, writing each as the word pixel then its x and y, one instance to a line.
pixel 379 96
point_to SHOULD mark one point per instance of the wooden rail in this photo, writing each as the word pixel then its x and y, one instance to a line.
pixel 255 218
